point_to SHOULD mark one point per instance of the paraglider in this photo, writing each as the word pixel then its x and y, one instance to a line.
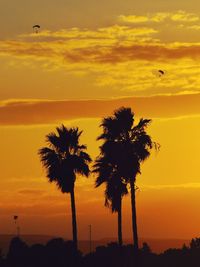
pixel 36 28
pixel 159 73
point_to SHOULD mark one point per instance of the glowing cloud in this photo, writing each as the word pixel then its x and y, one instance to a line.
pixel 50 112
pixel 179 16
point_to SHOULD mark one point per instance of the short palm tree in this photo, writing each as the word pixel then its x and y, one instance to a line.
pixel 127 146
pixel 116 188
pixel 63 159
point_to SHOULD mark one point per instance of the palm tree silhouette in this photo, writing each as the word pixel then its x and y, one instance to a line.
pixel 116 188
pixel 127 146
pixel 63 159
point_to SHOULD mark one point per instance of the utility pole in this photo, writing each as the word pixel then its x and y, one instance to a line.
pixel 16 222
pixel 90 237
pixel 18 231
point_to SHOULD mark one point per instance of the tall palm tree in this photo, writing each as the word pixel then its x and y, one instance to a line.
pixel 116 188
pixel 63 159
pixel 127 145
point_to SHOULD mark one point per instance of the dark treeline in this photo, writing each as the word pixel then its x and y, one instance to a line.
pixel 60 253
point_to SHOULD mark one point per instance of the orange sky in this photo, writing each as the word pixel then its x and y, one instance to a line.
pixel 79 69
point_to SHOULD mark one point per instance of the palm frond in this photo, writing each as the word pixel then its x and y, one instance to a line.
pixel 141 126
pixel 53 141
pixel 85 156
pixel 51 162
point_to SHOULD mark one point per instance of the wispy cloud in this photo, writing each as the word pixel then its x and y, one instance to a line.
pixel 133 18
pixel 41 112
pixel 171 186
pixel 178 16
pixel 181 16
pixel 59 53
pixel 120 56
pixel 101 35
pixel 31 192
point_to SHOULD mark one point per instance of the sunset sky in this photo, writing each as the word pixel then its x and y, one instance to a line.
pixel 89 58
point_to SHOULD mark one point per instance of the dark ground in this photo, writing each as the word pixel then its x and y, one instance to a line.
pixel 60 253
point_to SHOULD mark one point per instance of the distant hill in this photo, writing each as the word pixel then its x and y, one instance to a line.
pixel 156 245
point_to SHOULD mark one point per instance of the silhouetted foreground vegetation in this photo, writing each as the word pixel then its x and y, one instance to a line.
pixel 60 253
pixel 125 147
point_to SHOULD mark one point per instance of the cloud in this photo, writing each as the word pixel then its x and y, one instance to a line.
pixel 122 46
pixel 32 192
pixel 183 16
pixel 85 48
pixel 147 52
pixel 101 54
pixel 120 57
pixel 101 35
pixel 159 17
pixel 178 16
pixel 50 112
pixel 112 44
pixel 133 19
pixel 194 27
pixel 172 186
pixel 28 209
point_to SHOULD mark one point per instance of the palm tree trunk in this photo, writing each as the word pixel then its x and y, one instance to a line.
pixel 134 218
pixel 119 214
pixel 74 225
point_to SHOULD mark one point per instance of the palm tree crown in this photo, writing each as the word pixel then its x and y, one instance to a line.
pixel 116 186
pixel 64 157
pixel 125 144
